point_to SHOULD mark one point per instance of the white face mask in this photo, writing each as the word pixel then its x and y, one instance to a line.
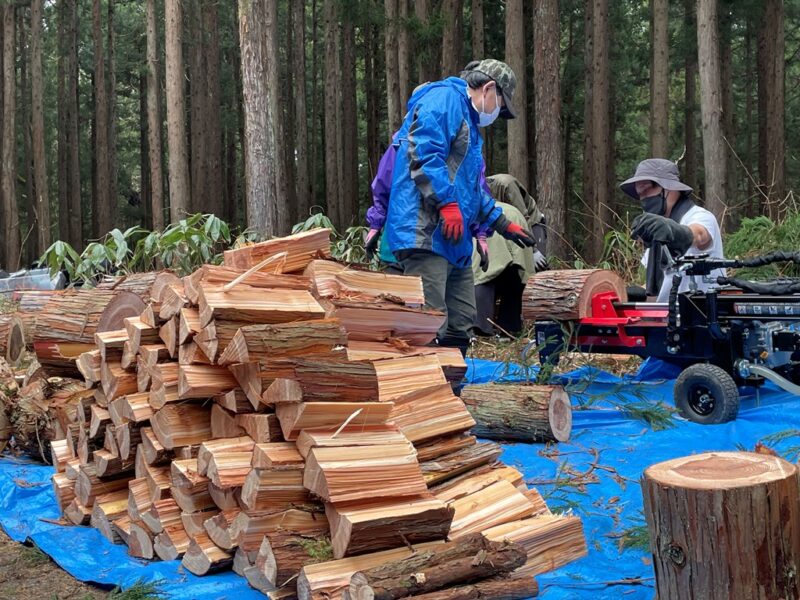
pixel 485 119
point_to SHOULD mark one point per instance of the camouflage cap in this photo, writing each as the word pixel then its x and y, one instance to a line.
pixel 506 81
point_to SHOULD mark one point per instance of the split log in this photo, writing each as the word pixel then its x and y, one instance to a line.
pixel 109 465
pixel 64 489
pixel 250 379
pixel 185 474
pixel 164 374
pixel 382 380
pixel 90 364
pixel 746 503
pixel 138 498
pixel 550 541
pixel 282 390
pixel 462 461
pixel 88 486
pixel 294 418
pixel 453 364
pixel 214 338
pixel 217 275
pixel 158 481
pixel 567 295
pixel 204 381
pixel 277 455
pixel 116 381
pixel 140 541
pixel 172 300
pixel 193 499
pixel 209 447
pixel 164 395
pixel 301 249
pixel 225 498
pixel 136 408
pixel 229 469
pixel 106 341
pixel 253 343
pixel 181 425
pixel 162 513
pixel 495 504
pixel 152 449
pixel 140 333
pixel 168 333
pixel 140 284
pixel 223 423
pixel 188 325
pixel 367 472
pixel 329 579
pixel 149 315
pixel 349 436
pixel 152 354
pixel 254 305
pixel 262 428
pixel 473 559
pixel 203 556
pixel 506 587
pixel 12 338
pixel 62 451
pixel 381 321
pixel 218 529
pixel 305 523
pixel 129 357
pixel 172 543
pixel 107 508
pixel 438 447
pixel 429 413
pixel 191 354
pixel 519 413
pixel 193 522
pixel 129 436
pixel 78 513
pixel 332 279
pixel 475 481
pixel 359 528
pixel 235 401
pixel 122 527
pixel 270 489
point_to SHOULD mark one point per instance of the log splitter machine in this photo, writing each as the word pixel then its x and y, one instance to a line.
pixel 738 333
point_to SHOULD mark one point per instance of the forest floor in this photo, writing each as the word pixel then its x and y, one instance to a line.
pixel 27 573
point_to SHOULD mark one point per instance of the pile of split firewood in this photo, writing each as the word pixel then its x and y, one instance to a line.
pixel 282 415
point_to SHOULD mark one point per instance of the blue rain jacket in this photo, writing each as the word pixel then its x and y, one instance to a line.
pixel 438 161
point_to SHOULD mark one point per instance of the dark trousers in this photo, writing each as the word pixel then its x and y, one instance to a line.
pixel 501 301
pixel 448 289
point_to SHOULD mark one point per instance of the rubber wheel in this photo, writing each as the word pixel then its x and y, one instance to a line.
pixel 706 394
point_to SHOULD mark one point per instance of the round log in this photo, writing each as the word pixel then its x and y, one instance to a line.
pixel 520 413
pixel 724 525
pixel 497 588
pixel 567 295
pixel 12 338
pixel 31 302
pixel 124 304
pixel 73 316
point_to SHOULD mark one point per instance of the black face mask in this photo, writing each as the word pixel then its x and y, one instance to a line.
pixel 656 205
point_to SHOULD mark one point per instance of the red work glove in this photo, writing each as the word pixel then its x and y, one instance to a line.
pixel 511 231
pixel 371 242
pixel 483 252
pixel 453 222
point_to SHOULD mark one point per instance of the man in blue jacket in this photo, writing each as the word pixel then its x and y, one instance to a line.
pixel 436 196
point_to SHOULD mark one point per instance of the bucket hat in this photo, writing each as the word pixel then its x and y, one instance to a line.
pixel 660 170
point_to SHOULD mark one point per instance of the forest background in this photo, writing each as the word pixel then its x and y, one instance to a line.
pixel 132 114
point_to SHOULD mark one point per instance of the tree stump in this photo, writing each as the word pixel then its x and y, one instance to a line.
pixel 724 525
pixel 567 295
pixel 12 338
pixel 522 413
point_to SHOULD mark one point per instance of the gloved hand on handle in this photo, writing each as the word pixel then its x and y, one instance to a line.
pixel 452 222
pixel 511 231
pixel 483 251
pixel 655 228
pixel 371 242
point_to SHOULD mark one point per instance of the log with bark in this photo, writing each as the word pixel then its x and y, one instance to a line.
pixel 277 455
pixel 351 435
pixel 519 413
pixel 29 305
pixel 472 559
pixel 261 427
pixel 223 423
pixel 234 401
pixel 171 301
pixel 229 469
pixel 505 587
pixel 271 489
pixel 181 425
pixel 172 543
pixel 203 556
pixel 300 248
pixel 12 339
pixel 208 448
pixel 315 415
pixel 204 381
pixel 331 279
pixel 452 362
pixel 451 465
pixel 220 531
pixel 567 295
pixel 430 413
pixel 217 275
pixel 140 333
pixel 382 321
pixel 255 305
pixel 724 525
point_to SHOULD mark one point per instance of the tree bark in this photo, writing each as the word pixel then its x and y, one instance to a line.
pixel 350 122
pixel 747 503
pixel 714 149
pixel 333 192
pixel 113 190
pixel 728 109
pixel 547 103
pixel 426 54
pixel 198 124
pixel 40 185
pixel 659 78
pixel 212 108
pixel 69 192
pixel 28 245
pixel 567 295
pixel 176 109
pixel 515 57
pixel 453 17
pixel 403 56
pixel 478 33
pixel 298 51
pixel 9 173
pixel 392 66
pixel 259 143
pixel 154 121
pixel 689 166
pixel 771 49
pixel 102 202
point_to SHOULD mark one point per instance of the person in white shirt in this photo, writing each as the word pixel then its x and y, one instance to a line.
pixel 672 225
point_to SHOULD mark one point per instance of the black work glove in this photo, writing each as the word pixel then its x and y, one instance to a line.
pixel 511 231
pixel 655 228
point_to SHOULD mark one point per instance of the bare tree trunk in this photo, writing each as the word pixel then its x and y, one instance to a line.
pixel 332 85
pixel 588 183
pixel 749 110
pixel 198 151
pixel 659 79
pixel 350 122
pixel 145 194
pixel 728 110
pixel 113 189
pixel 9 175
pixel 772 159
pixel 260 153
pixel 372 94
pixel 547 102
pixel 689 166
pixel 515 57
pixel 105 216
pixel 392 65
pixel 40 186
pixel 154 120
pixel 213 108
pixel 27 229
pixel 179 202
pixel 298 50
pixel 478 33
pixel 403 56
pixel 62 213
pixel 714 149
pixel 453 17
pixel 426 54
pixel 72 141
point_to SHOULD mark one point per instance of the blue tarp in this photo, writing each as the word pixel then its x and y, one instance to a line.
pixel 596 475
